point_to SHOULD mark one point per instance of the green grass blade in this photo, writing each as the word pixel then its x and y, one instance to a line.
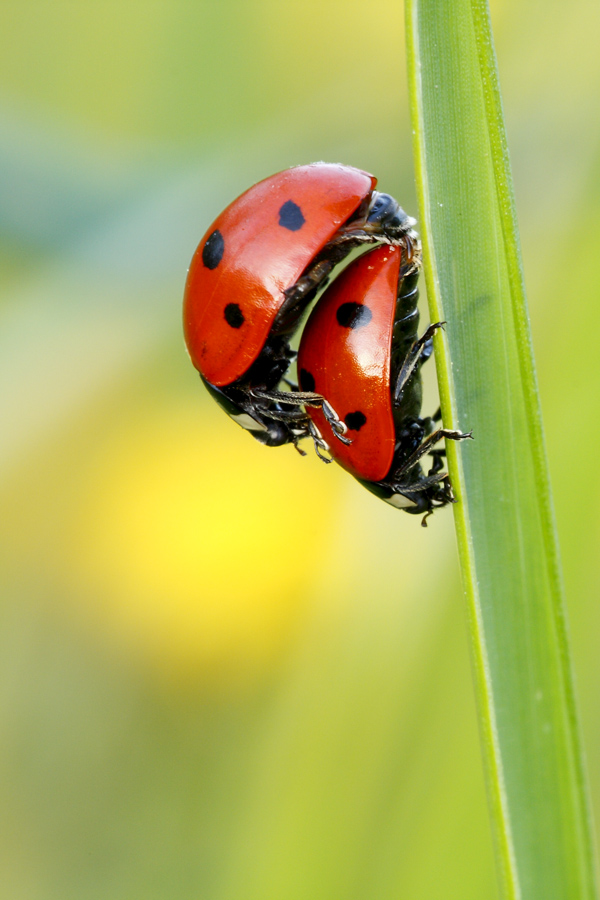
pixel 505 524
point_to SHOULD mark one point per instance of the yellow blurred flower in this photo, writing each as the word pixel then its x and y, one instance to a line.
pixel 195 546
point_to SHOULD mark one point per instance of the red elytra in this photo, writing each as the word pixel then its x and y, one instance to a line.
pixel 255 249
pixel 345 355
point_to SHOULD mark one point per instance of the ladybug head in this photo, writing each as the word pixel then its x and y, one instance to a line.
pixel 385 215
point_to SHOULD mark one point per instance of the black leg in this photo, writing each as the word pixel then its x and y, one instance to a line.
pixel 426 446
pixel 412 358
pixel 306 398
pixel 308 284
pixel 437 464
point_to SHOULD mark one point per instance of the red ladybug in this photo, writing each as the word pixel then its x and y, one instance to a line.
pixel 254 272
pixel 361 351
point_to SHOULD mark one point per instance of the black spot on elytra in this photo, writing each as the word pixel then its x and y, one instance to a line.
pixel 212 252
pixel 355 420
pixel 353 315
pixel 234 316
pixel 307 381
pixel 290 216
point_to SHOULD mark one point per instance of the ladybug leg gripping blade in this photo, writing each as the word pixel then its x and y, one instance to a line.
pixel 417 353
pixel 426 446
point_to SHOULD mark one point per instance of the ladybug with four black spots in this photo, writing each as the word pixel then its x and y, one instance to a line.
pixel 252 276
pixel 360 349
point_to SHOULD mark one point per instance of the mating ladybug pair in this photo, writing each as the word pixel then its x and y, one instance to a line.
pixel 255 271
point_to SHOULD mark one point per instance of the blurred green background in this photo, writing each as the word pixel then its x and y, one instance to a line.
pixel 228 672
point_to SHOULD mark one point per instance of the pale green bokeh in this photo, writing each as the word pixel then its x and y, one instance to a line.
pixel 228 672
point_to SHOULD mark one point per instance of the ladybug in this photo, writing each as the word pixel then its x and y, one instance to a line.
pixel 360 349
pixel 256 269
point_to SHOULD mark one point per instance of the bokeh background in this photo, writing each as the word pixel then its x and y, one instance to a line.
pixel 228 672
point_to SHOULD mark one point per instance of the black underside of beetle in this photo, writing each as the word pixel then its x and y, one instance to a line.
pixel 270 422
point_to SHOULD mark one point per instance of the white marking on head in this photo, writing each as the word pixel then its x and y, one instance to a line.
pixel 247 422
pixel 400 501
